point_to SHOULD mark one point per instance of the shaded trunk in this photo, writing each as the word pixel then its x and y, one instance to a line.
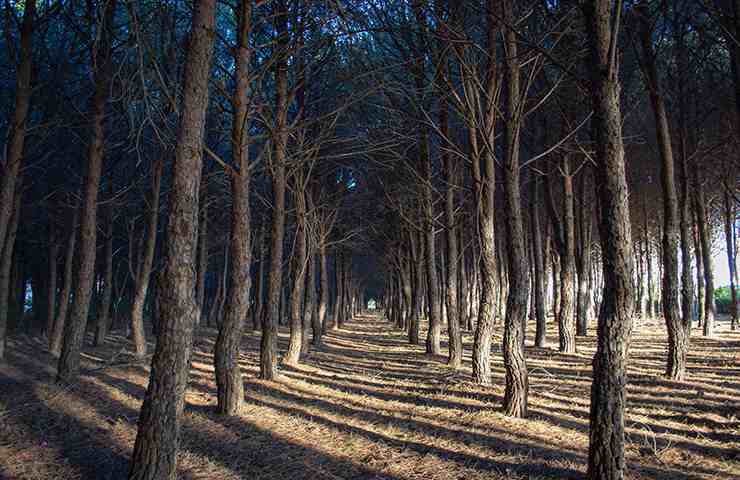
pixel 324 285
pixel 145 268
pixel 11 168
pixel 74 330
pixel 540 289
pixel 268 345
pixel 705 242
pixel 51 291
pixel 200 282
pixel 157 441
pixel 259 296
pixel 606 456
pixel 6 262
pixel 517 380
pixel 103 320
pixel 731 244
pixel 300 258
pixel 229 383
pixel 55 340
pixel 677 336
pixel 583 259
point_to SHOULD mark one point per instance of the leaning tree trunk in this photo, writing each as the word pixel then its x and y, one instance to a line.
pixel 55 339
pixel 606 456
pixel 10 170
pixel 269 342
pixel 677 335
pixel 74 330
pixel 229 383
pixel 145 268
pixel 6 262
pixel 517 380
pixel 157 441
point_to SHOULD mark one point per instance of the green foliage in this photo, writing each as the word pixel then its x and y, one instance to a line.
pixel 723 299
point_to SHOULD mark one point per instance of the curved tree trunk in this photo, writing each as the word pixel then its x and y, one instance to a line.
pixel 157 441
pixel 145 268
pixel 606 457
pixel 229 384
pixel 74 330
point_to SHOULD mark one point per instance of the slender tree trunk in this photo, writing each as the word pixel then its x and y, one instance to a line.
pixel 485 190
pixel 324 284
pixel 730 242
pixel 200 282
pixel 312 307
pixel 74 330
pixel 705 241
pixel 157 441
pixel 583 260
pixel 229 383
pixel 103 320
pixel 268 346
pixel 300 258
pixel 515 365
pixel 6 262
pixel 451 292
pixel 677 335
pixel 51 292
pixel 540 289
pixel 700 283
pixel 10 170
pixel 606 457
pixel 55 339
pixel 259 296
pixel 145 268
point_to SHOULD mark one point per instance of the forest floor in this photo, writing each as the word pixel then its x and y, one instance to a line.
pixel 367 405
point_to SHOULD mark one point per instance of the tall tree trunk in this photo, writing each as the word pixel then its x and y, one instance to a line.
pixel 51 291
pixel 229 383
pixel 74 330
pixel 268 345
pixel 10 170
pixel 55 339
pixel 324 284
pixel 103 320
pixel 540 272
pixel 259 295
pixel 606 458
pixel 300 258
pixel 731 244
pixel 145 268
pixel 6 262
pixel 200 282
pixel 485 191
pixel 311 303
pixel 677 335
pixel 157 441
pixel 705 241
pixel 517 380
pixel 583 259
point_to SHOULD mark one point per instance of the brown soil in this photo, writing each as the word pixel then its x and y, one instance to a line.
pixel 369 406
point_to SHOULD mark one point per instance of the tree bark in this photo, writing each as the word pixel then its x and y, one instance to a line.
pixel 268 345
pixel 103 320
pixel 229 384
pixel 517 380
pixel 606 459
pixel 300 258
pixel 51 291
pixel 157 441
pixel 677 335
pixel 55 339
pixel 6 262
pixel 705 241
pixel 74 329
pixel 731 244
pixel 540 336
pixel 10 170
pixel 145 268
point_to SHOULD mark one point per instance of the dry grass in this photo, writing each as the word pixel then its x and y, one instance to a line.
pixel 369 406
